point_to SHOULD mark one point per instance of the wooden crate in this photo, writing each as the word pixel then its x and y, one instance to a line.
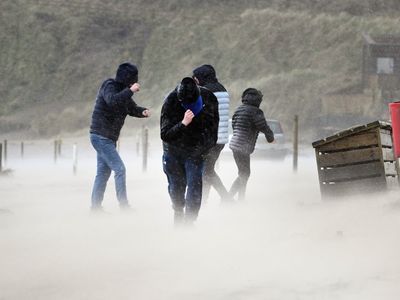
pixel 357 160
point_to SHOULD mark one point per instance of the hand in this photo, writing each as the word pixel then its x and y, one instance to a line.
pixel 146 113
pixel 135 87
pixel 188 117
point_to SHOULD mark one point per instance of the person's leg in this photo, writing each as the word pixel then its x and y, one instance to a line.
pixel 106 148
pixel 194 178
pixel 175 171
pixel 244 174
pixel 243 164
pixel 208 169
pixel 216 181
pixel 100 182
pixel 211 177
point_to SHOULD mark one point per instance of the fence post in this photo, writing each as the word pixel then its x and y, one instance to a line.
pixel 1 157
pixel 138 144
pixel 295 142
pixel 59 147
pixel 55 150
pixel 74 158
pixel 145 147
pixel 22 149
pixel 5 152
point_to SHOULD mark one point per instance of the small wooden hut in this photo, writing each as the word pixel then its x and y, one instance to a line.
pixel 359 159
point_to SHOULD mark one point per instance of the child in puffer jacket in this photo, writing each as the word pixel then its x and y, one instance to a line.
pixel 247 121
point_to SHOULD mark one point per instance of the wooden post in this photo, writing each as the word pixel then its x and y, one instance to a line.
pixel 55 150
pixel 1 157
pixel 295 142
pixel 22 149
pixel 5 152
pixel 138 144
pixel 59 147
pixel 145 147
pixel 74 158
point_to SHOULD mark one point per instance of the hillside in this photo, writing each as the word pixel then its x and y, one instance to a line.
pixel 54 55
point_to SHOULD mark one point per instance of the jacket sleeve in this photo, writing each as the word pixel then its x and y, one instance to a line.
pixel 169 129
pixel 122 101
pixel 134 110
pixel 215 120
pixel 262 126
pixel 115 98
pixel 212 120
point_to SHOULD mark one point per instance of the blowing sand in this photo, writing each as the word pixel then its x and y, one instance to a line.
pixel 282 243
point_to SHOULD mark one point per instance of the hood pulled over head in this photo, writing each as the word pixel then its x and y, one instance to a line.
pixel 127 74
pixel 205 74
pixel 188 91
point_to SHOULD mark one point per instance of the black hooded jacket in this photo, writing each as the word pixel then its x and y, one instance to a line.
pixel 196 139
pixel 208 78
pixel 247 121
pixel 114 102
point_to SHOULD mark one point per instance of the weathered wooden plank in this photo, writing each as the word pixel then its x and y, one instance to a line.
pixel 377 125
pixel 385 131
pixel 349 157
pixel 351 172
pixel 318 167
pixel 390 169
pixel 388 154
pixel 348 188
pixel 368 139
pixel 386 140
pixel 392 182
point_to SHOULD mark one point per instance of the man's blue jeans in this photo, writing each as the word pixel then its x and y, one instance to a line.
pixel 184 176
pixel 108 160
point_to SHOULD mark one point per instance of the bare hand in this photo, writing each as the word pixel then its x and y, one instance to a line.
pixel 188 117
pixel 146 113
pixel 135 87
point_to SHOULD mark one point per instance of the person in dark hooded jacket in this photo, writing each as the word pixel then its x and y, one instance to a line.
pixel 206 77
pixel 189 129
pixel 247 121
pixel 113 103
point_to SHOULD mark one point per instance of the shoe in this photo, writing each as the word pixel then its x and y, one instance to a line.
pixel 178 218
pixel 126 208
pixel 227 200
pixel 190 218
pixel 97 210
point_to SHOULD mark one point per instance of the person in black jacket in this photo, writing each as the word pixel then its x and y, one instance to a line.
pixel 113 103
pixel 247 121
pixel 189 129
pixel 206 77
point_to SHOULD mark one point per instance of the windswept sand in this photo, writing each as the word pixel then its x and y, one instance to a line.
pixel 282 243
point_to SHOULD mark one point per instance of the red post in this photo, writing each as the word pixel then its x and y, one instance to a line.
pixel 394 108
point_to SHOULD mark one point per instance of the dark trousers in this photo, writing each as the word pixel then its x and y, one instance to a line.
pixel 211 177
pixel 239 185
pixel 184 176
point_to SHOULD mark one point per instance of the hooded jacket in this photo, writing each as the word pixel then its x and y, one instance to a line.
pixel 114 102
pixel 247 121
pixel 208 79
pixel 196 139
